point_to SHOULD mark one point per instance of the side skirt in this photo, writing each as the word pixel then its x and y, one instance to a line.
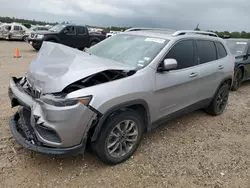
pixel 199 105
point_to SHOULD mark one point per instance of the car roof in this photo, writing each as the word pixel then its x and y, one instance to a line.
pixel 73 25
pixel 238 39
pixel 170 34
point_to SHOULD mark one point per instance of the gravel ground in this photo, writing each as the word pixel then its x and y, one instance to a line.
pixel 196 150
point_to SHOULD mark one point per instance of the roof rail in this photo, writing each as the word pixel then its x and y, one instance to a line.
pixel 145 28
pixel 184 32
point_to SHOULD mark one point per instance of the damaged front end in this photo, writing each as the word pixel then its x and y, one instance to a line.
pixel 49 121
pixel 98 78
pixel 50 124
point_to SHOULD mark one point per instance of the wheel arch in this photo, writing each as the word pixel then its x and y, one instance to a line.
pixel 139 106
pixel 94 39
pixel 51 38
pixel 228 80
pixel 242 67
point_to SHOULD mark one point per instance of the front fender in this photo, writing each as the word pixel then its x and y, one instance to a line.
pixel 116 108
pixel 50 38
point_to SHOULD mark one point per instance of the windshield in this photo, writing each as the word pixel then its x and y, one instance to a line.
pixel 57 28
pixel 237 47
pixel 136 51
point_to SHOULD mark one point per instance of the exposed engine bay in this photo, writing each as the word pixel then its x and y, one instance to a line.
pixel 98 78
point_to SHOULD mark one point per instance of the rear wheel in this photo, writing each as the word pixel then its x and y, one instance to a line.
pixel 238 76
pixel 219 102
pixel 93 43
pixel 120 137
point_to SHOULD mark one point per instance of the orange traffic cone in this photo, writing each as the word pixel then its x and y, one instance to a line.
pixel 17 55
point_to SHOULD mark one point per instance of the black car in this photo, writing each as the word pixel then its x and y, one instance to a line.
pixel 240 48
pixel 75 36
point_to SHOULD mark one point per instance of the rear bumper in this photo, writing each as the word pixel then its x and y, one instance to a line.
pixel 29 140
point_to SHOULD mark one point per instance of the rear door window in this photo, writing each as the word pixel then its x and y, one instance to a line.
pixel 221 51
pixel 183 53
pixel 81 30
pixel 206 51
pixel 16 28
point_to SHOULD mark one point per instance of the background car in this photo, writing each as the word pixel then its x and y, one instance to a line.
pixel 34 29
pixel 4 29
pixel 240 48
pixel 13 31
pixel 76 36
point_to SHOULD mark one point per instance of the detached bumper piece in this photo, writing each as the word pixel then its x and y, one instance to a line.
pixel 25 136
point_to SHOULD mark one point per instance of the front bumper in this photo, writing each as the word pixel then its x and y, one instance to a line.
pixel 18 123
pixel 54 129
pixel 36 43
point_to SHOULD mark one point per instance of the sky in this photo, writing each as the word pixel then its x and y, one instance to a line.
pixel 220 15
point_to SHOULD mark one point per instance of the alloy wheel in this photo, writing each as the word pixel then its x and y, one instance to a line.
pixel 222 99
pixel 122 138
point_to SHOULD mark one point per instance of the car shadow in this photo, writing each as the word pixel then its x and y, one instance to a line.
pixel 245 84
pixel 90 159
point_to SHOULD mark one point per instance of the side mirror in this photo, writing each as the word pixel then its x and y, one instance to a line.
pixel 168 64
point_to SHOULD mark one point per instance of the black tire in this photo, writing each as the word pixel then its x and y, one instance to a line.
pixel 238 76
pixel 219 101
pixel 101 145
pixel 52 41
pixel 36 48
pixel 81 49
pixel 25 38
pixel 93 43
pixel 9 37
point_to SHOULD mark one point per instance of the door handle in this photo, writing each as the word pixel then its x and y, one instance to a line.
pixel 221 67
pixel 192 75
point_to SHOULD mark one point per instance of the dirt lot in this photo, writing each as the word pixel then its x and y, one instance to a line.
pixel 196 150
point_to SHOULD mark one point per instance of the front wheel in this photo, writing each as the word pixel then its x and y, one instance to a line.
pixel 238 75
pixel 219 102
pixel 9 37
pixel 120 137
pixel 25 38
pixel 52 41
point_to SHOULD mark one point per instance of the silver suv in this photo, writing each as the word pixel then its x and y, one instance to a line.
pixel 110 94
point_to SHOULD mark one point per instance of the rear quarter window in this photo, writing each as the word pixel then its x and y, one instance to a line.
pixel 221 51
pixel 16 28
pixel 206 51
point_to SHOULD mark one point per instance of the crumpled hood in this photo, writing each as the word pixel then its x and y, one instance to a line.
pixel 56 66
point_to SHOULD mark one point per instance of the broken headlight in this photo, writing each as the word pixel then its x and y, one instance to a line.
pixel 60 102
